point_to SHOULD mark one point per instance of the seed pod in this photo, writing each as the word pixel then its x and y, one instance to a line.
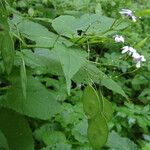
pixel 91 102
pixel 97 131
pixel 107 109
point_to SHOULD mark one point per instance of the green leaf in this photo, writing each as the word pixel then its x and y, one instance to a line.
pixel 141 43
pixel 146 147
pixel 6 42
pixel 90 73
pixel 23 78
pixel 107 109
pixel 71 60
pixel 54 137
pixel 58 146
pixel 115 141
pixel 70 115
pixel 91 102
pixel 145 12
pixel 87 74
pixel 40 34
pixel 39 103
pixel 48 59
pixel 3 141
pixel 97 131
pixel 79 131
pixel 51 137
pixel 112 85
pixel 7 50
pixel 16 130
pixel 90 23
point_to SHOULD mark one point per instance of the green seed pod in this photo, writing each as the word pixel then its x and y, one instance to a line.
pixel 97 131
pixel 107 109
pixel 91 103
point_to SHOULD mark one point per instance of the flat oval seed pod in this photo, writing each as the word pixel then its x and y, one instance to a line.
pixel 91 103
pixel 107 109
pixel 97 131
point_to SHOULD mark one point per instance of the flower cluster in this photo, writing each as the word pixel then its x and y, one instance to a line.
pixel 127 49
pixel 135 55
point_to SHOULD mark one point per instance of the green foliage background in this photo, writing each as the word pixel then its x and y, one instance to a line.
pixel 50 50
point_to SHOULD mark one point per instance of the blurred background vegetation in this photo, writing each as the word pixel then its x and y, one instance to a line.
pixel 130 125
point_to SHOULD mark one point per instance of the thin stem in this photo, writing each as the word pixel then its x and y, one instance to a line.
pixel 127 72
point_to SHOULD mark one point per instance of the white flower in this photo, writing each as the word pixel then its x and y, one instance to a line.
pixel 128 13
pixel 138 59
pixel 136 56
pixel 133 18
pixel 138 64
pixel 128 49
pixel 119 38
pixel 143 58
pixel 125 49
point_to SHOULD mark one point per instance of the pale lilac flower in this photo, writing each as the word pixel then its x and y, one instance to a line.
pixel 119 38
pixel 136 56
pixel 138 59
pixel 128 49
pixel 128 13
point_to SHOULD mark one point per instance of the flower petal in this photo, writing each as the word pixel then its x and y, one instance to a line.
pixel 143 58
pixel 138 64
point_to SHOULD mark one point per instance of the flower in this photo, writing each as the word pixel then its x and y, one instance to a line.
pixel 128 49
pixel 138 59
pixel 119 38
pixel 128 13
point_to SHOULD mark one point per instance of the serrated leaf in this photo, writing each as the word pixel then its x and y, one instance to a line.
pixel 87 74
pixel 79 131
pixel 91 102
pixel 90 23
pixel 3 142
pixel 90 73
pixel 39 103
pixel 16 130
pixel 71 60
pixel 40 34
pixel 70 115
pixel 97 131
